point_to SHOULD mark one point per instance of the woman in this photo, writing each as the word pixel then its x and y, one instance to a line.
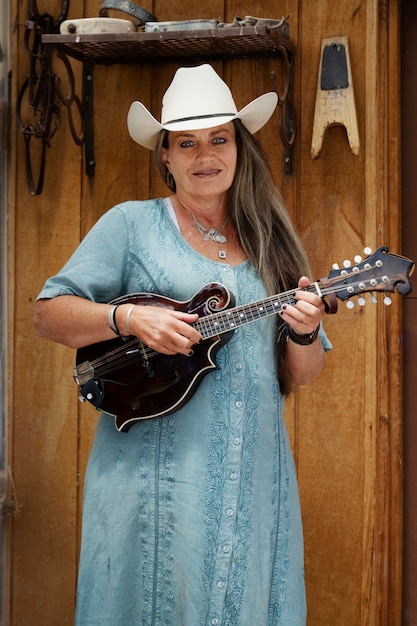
pixel 193 518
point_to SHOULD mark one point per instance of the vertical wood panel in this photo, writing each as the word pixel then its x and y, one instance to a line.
pixel 43 407
pixel 390 450
pixel 331 412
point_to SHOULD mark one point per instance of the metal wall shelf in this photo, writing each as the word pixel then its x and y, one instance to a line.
pixel 235 42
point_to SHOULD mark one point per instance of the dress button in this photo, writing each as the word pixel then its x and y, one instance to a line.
pixel 226 549
pixel 238 366
pixel 220 584
pixel 238 404
pixel 236 441
pixel 229 512
pixel 233 476
pixel 214 621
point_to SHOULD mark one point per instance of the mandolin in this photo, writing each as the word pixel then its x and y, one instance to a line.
pixel 129 380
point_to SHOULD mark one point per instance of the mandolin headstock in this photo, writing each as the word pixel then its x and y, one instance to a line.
pixel 378 272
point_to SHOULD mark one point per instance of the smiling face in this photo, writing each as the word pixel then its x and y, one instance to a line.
pixel 202 162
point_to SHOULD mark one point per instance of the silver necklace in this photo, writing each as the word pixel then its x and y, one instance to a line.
pixel 215 234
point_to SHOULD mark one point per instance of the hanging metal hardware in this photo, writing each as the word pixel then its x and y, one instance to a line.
pixel 140 14
pixel 286 113
pixel 39 100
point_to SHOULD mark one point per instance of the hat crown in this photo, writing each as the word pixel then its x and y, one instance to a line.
pixel 195 93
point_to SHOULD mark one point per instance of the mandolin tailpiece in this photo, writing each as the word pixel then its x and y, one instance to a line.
pixel 92 392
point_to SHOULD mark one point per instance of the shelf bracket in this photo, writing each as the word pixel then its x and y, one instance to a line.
pixel 88 118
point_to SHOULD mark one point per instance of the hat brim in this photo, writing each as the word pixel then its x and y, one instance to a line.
pixel 145 129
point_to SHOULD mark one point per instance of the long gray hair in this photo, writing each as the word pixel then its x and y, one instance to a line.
pixel 265 231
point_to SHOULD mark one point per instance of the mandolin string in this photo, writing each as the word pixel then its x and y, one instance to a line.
pixel 111 361
pixel 225 321
pixel 122 360
pixel 119 356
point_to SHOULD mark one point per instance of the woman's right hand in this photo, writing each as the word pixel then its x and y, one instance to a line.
pixel 164 330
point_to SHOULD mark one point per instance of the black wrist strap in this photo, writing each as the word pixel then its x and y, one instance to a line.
pixel 112 320
pixel 303 340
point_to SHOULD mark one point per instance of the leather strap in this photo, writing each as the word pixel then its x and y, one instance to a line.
pixel 303 340
pixel 330 305
pixel 142 15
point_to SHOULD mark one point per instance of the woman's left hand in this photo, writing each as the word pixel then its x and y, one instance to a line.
pixel 304 361
pixel 307 313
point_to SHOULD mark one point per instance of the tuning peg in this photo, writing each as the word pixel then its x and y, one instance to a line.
pixel 361 301
pixel 346 263
pixel 367 251
pixel 387 300
pixel 374 299
pixel 357 258
pixel 335 266
pixel 350 304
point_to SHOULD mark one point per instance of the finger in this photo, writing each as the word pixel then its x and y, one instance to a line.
pixel 303 318
pixel 175 337
pixel 304 281
pixel 309 297
pixel 311 307
pixel 190 333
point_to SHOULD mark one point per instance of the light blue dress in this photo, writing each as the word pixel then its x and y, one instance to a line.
pixel 191 519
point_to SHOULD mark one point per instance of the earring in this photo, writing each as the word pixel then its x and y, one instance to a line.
pixel 170 180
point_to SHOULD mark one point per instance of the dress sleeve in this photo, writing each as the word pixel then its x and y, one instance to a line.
pixel 326 343
pixel 97 268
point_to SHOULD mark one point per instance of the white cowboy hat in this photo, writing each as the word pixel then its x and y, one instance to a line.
pixel 197 98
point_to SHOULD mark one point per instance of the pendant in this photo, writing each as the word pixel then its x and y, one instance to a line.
pixel 222 254
pixel 215 235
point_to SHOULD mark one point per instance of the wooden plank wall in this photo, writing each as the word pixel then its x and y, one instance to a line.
pixel 345 428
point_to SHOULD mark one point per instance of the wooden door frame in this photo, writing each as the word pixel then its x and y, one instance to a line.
pixel 409 193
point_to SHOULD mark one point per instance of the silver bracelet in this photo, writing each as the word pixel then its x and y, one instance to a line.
pixel 112 320
pixel 128 314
